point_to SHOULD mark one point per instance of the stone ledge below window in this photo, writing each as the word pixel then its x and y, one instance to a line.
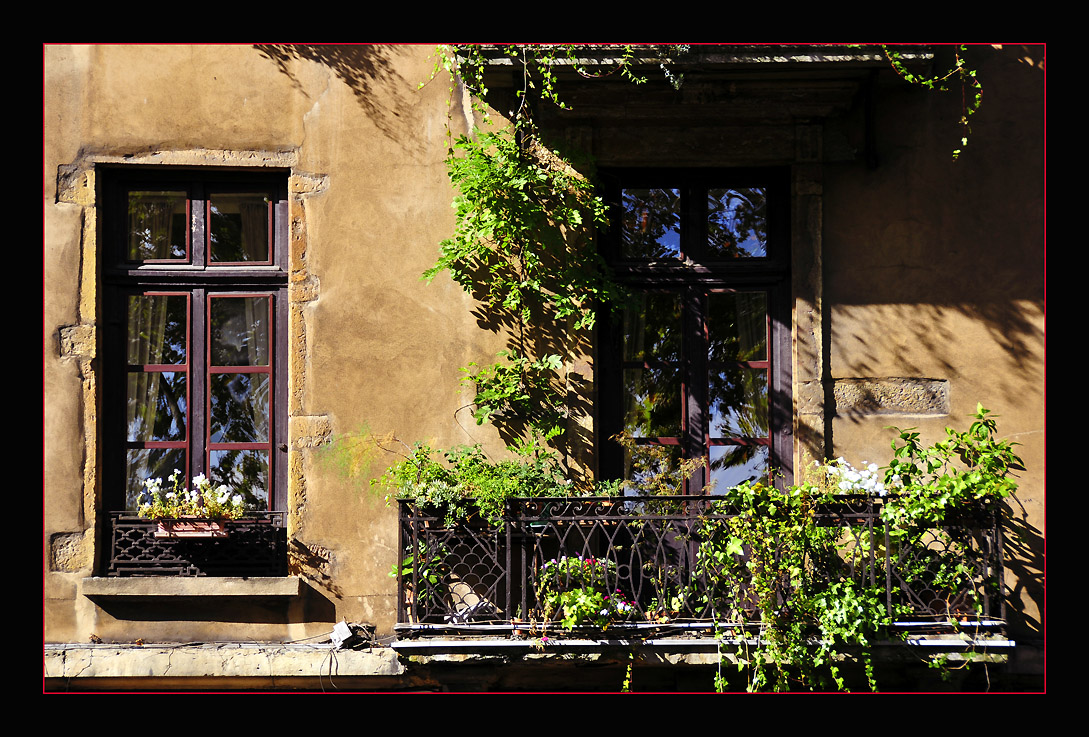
pixel 166 587
pixel 236 666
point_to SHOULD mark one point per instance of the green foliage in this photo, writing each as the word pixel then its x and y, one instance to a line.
pixel 525 218
pixel 520 243
pixel 970 88
pixel 201 501
pixel 538 63
pixel 971 467
pixel 520 387
pixel 769 545
pixel 578 589
pixel 765 562
pixel 657 470
pixel 770 561
pixel 468 482
pixel 431 572
pixel 939 485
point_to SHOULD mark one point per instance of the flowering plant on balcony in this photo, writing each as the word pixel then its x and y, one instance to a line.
pixel 843 478
pixel 577 588
pixel 203 500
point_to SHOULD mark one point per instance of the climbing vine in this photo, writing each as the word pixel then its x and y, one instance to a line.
pixel 971 91
pixel 523 240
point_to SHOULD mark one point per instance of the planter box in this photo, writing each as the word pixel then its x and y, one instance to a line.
pixel 255 545
pixel 190 527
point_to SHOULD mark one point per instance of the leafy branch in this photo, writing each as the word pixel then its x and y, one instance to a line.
pixel 970 87
pixel 522 243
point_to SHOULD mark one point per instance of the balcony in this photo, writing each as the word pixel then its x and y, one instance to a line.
pixel 470 578
pixel 255 546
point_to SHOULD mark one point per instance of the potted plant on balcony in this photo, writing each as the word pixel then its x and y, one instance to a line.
pixel 577 590
pixel 198 512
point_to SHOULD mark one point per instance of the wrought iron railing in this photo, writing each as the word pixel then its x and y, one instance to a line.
pixel 649 550
pixel 253 546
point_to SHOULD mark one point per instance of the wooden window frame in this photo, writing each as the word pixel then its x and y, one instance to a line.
pixel 693 276
pixel 202 280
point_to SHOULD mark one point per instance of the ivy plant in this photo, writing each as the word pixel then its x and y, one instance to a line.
pixel 525 219
pixel 971 90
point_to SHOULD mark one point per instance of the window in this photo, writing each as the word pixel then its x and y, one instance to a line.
pixel 196 313
pixel 698 364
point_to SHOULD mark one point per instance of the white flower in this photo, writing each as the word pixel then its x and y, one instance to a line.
pixel 237 500
pixel 199 479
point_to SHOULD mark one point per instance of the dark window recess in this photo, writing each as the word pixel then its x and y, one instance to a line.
pixel 698 364
pixel 195 341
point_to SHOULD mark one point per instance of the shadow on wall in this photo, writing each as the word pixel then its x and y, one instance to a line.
pixel 995 345
pixel 1023 557
pixel 928 341
pixel 364 68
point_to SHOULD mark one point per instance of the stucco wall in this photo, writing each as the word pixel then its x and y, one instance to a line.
pixel 372 345
pixel 920 269
pixel 933 270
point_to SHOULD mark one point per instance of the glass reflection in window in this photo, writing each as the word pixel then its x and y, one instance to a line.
pixel 737 224
pixel 735 464
pixel 157 227
pixel 651 224
pixel 240 406
pixel 240 328
pixel 737 326
pixel 157 329
pixel 245 472
pixel 238 227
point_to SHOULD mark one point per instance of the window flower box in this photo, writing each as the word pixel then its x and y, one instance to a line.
pixel 255 545
pixel 193 527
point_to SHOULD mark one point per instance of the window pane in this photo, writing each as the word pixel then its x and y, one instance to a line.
pixel 646 464
pixel 653 329
pixel 155 463
pixel 244 472
pixel 157 329
pixel 739 403
pixel 737 326
pixel 240 334
pixel 652 402
pixel 239 408
pixel 651 227
pixel 156 408
pixel 733 464
pixel 238 227
pixel 157 228
pixel 737 224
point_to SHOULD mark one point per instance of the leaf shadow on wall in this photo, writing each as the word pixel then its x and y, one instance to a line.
pixel 368 69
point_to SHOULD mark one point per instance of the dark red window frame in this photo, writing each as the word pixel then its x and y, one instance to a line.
pixel 201 281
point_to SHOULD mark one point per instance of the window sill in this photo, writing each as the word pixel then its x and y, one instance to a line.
pixel 164 588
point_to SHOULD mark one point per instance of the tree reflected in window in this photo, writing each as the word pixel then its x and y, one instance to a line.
pixel 651 224
pixel 737 223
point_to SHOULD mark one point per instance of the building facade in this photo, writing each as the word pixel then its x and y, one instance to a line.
pixel 234 238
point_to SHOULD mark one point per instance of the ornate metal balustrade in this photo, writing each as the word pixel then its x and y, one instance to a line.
pixel 255 546
pixel 653 552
